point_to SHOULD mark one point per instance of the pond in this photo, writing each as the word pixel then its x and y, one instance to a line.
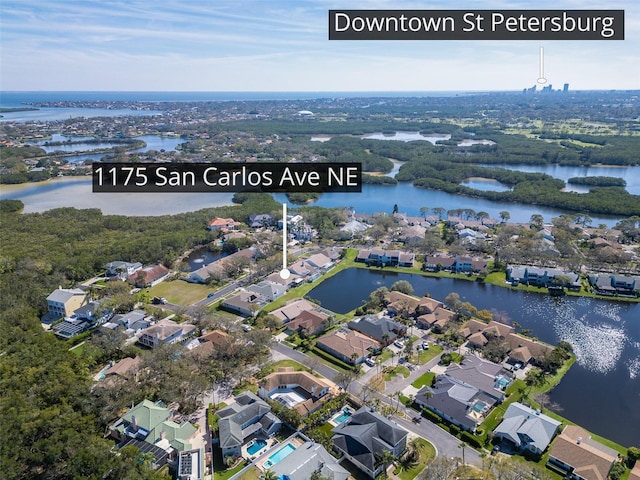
pixel 605 336
pixel 200 258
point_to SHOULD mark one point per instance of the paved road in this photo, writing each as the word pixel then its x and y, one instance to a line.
pixel 324 370
pixel 445 443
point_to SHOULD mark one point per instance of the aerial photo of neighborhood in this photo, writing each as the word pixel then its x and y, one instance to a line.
pixel 471 312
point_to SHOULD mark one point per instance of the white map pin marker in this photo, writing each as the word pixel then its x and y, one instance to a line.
pixel 541 79
pixel 284 273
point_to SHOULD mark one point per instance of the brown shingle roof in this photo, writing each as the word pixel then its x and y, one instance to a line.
pixel 574 447
pixel 347 342
pixel 308 320
pixel 536 349
pixel 217 337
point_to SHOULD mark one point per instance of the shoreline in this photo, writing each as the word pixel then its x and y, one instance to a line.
pixel 349 262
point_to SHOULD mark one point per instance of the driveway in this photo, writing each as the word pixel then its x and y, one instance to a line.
pixel 445 443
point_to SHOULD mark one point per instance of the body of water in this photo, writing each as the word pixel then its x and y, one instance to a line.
pixel 631 175
pixel 200 258
pixel 46 114
pixel 605 336
pixel 77 192
pixel 408 137
pixel 486 185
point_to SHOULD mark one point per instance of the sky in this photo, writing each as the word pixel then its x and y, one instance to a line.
pixel 282 45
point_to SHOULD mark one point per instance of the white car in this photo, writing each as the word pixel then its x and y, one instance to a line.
pixel 398 344
pixel 370 362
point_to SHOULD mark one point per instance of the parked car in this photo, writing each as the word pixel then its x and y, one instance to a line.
pixel 425 346
pixel 370 362
pixel 398 344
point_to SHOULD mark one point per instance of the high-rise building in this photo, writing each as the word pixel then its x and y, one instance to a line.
pixel 565 88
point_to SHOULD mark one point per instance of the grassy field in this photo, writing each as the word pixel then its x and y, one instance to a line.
pixel 179 292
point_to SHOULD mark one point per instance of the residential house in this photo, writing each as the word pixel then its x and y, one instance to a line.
pixel 527 430
pixel 92 312
pixel 150 423
pixel 122 270
pixel 307 459
pixel 70 327
pixel 429 305
pixel 607 284
pixel 538 276
pixel 437 320
pixel 406 259
pixel 486 376
pixel 319 261
pixel 385 258
pixel 478 333
pixel 132 323
pixel 191 465
pixel 310 322
pixel 84 318
pixel 300 390
pixel 382 329
pixel 456 401
pixel 123 368
pixel 247 416
pixel 354 227
pixel 244 302
pixel 294 308
pixel 348 345
pixel 63 302
pixel 165 331
pixel 149 276
pixel 222 224
pixel 268 290
pixel 435 263
pixel 580 457
pixel 524 350
pixel 261 220
pixel 466 264
pixel 204 274
pixel 399 303
pixel 364 436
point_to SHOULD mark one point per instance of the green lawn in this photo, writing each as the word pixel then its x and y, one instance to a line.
pixel 423 380
pixel 220 472
pixel 426 355
pixel 427 453
pixel 179 292
pixel 397 370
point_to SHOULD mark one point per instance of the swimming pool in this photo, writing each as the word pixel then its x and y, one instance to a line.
pixel 279 455
pixel 346 413
pixel 503 382
pixel 255 446
pixel 478 407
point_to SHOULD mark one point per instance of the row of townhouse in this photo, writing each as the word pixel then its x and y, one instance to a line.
pixel 377 257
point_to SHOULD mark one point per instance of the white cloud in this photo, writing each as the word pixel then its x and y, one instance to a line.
pixel 282 45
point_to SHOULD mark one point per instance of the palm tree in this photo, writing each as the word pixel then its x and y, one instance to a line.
pixel 385 458
pixel 269 475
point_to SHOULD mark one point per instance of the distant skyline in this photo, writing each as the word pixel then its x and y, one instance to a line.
pixel 282 45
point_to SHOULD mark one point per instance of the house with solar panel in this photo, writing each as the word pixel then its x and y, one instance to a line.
pixel 150 427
